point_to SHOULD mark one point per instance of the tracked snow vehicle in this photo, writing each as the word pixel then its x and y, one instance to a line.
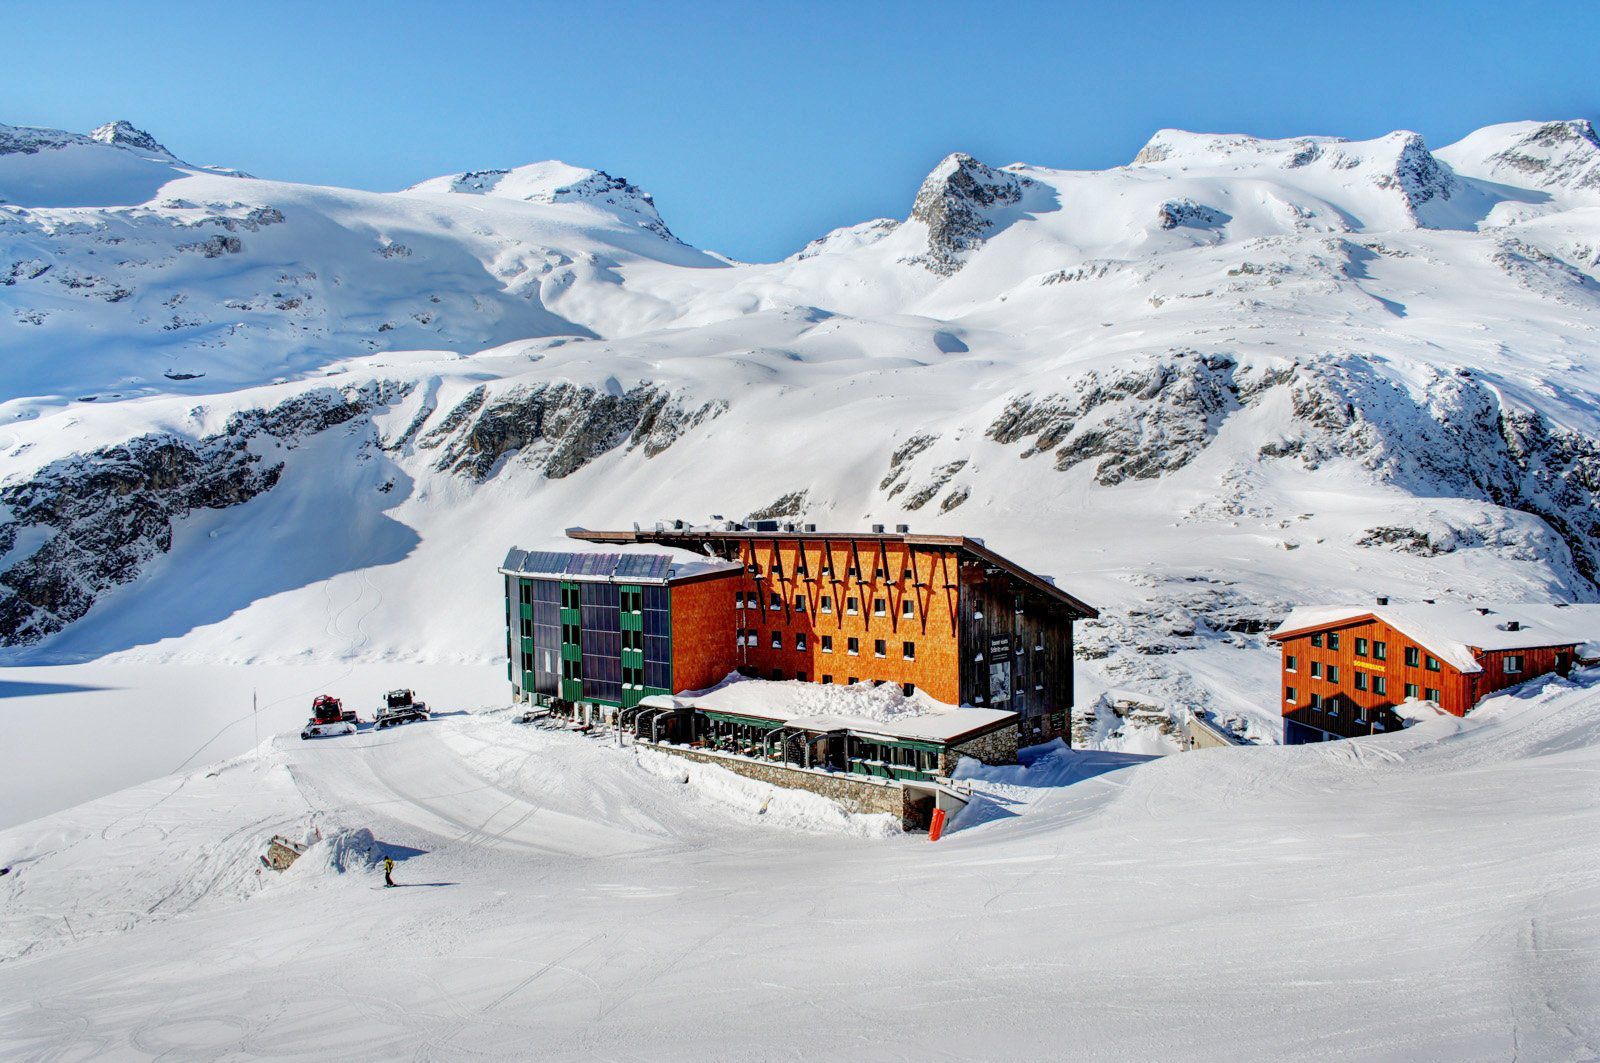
pixel 329 717
pixel 400 706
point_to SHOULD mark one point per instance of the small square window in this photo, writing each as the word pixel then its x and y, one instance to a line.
pixel 1333 673
pixel 908 608
pixel 880 648
pixel 1380 650
pixel 1361 647
pixel 799 603
pixel 1380 685
pixel 1511 664
pixel 1412 691
pixel 1434 695
pixel 827 678
pixel 852 646
pixel 777 674
pixel 799 640
pixel 827 644
pixel 880 573
pixel 851 606
pixel 909 576
pixel 1431 663
pixel 1316 669
pixel 1316 700
pixel 908 650
pixel 880 607
pixel 825 604
pixel 1291 663
pixel 775 601
pixel 801 676
pixel 777 640
pixel 1333 640
pixel 1316 640
pixel 1413 657
pixel 908 689
pixel 1360 680
pixel 1290 695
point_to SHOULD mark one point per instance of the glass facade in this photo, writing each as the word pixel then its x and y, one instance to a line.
pixel 590 641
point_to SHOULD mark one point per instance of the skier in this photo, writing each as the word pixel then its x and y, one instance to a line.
pixel 388 871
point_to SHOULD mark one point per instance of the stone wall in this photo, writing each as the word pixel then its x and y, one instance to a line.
pixel 854 793
pixel 996 747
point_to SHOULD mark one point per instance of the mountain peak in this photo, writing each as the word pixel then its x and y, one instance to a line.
pixel 126 135
pixel 554 181
pixel 956 202
pixel 1545 155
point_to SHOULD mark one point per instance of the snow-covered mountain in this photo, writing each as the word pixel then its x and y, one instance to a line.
pixel 1233 375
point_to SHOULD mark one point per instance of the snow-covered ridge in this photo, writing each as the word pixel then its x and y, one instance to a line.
pixel 556 182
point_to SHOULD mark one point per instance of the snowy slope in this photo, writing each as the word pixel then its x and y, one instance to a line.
pixel 1427 894
pixel 1230 377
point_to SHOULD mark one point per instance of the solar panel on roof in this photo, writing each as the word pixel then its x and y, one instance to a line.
pixel 546 562
pixel 591 564
pixel 643 566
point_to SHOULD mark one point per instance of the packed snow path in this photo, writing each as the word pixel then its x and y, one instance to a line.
pixel 1426 895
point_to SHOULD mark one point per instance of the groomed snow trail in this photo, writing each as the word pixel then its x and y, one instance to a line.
pixel 1421 895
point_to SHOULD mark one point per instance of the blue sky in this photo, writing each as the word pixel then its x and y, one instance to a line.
pixel 759 127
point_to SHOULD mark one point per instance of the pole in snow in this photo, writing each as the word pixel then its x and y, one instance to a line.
pixel 256 721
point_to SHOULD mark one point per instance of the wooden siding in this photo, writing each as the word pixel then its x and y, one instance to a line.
pixel 1349 712
pixel 1010 639
pixel 808 571
pixel 703 626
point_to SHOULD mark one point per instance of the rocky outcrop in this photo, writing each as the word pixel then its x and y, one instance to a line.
pixel 126 135
pixel 559 427
pixel 1188 213
pixel 1553 155
pixel 956 203
pixel 1137 422
pixel 81 526
pixel 1415 174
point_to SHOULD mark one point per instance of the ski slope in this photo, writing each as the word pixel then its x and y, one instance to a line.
pixel 1422 895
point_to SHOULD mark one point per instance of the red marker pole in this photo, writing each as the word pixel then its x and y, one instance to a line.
pixel 936 826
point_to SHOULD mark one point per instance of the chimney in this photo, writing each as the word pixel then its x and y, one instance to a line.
pixel 902 528
pixel 1484 610
pixel 1513 625
pixel 1383 600
pixel 811 527
pixel 877 529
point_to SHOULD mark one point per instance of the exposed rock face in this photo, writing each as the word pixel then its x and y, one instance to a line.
pixel 790 505
pixel 955 203
pixel 81 526
pixel 559 427
pixel 1416 174
pixel 1135 423
pixel 126 135
pixel 1187 212
pixel 1554 155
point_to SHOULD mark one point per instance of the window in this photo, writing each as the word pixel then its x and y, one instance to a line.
pixel 799 640
pixel 908 689
pixel 827 678
pixel 852 681
pixel 799 603
pixel 880 607
pixel 1380 685
pixel 775 601
pixel 1413 657
pixel 801 676
pixel 777 675
pixel 1333 673
pixel 908 607
pixel 880 573
pixel 825 604
pixel 527 627
pixel 1290 663
pixel 1411 691
pixel 908 650
pixel 852 647
pixel 852 606
pixel 1316 669
pixel 1431 663
pixel 1361 647
pixel 1434 695
pixel 1333 640
pixel 909 576
pixel 1380 650
pixel 853 572
pixel 880 648
pixel 1289 695
pixel 1511 664
pixel 1316 640
pixel 827 644
pixel 1316 700
pixel 1360 680
pixel 777 640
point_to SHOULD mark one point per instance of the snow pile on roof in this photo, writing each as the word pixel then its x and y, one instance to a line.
pixel 631 561
pixel 1454 630
pixel 877 708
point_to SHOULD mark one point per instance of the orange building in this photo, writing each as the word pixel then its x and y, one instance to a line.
pixel 937 613
pixel 1344 669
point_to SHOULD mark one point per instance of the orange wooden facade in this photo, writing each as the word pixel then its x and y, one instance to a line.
pixel 703 628
pixel 799 593
pixel 1374 650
